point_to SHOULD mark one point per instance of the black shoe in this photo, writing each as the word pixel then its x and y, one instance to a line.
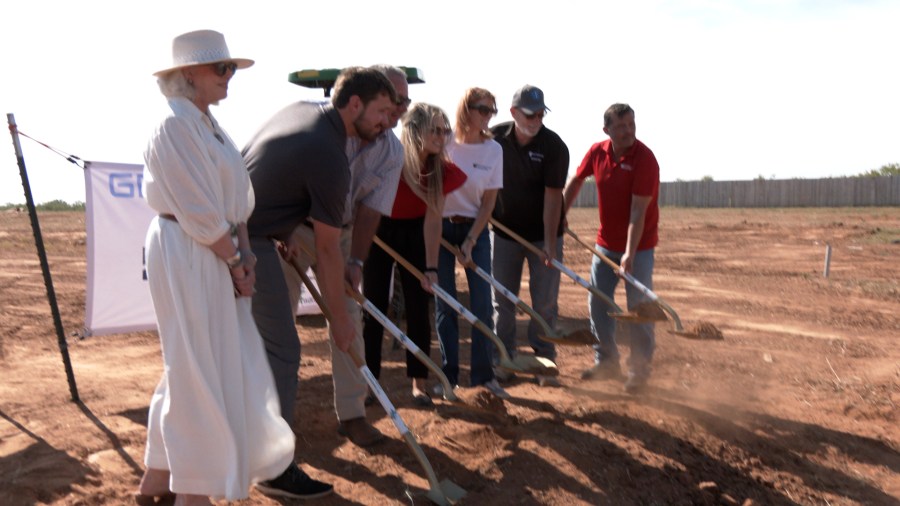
pixel 296 484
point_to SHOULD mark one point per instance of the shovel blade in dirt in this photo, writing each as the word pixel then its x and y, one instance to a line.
pixel 530 364
pixel 579 337
pixel 449 493
pixel 634 318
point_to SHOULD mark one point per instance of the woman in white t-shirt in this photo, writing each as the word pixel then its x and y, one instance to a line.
pixel 466 214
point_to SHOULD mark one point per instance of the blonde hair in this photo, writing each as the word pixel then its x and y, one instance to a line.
pixel 426 179
pixel 463 113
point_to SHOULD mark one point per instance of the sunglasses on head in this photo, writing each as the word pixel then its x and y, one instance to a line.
pixel 222 67
pixel 483 109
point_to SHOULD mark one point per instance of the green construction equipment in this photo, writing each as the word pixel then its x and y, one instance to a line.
pixel 324 78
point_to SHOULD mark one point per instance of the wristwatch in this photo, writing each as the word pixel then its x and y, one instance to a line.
pixel 234 260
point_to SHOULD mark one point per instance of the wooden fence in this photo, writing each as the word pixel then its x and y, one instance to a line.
pixel 831 192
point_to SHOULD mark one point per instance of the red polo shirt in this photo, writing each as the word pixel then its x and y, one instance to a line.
pixel 634 173
pixel 408 205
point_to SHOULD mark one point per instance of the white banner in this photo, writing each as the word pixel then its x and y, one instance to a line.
pixel 117 218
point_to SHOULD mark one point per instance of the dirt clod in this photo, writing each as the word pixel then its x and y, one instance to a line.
pixel 704 330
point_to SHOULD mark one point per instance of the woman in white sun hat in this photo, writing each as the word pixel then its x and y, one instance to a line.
pixel 214 426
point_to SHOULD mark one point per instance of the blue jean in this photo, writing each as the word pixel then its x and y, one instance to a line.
pixel 509 257
pixel 603 326
pixel 446 319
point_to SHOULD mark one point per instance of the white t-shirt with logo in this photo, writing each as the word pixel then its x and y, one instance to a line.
pixel 483 165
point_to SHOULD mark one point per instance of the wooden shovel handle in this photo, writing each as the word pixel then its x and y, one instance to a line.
pixel 396 256
pixel 608 261
pixel 357 360
pixel 521 240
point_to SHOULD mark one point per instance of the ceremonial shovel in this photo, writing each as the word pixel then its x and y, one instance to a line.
pixel 617 313
pixel 440 492
pixel 703 331
pixel 386 322
pixel 578 337
pixel 528 364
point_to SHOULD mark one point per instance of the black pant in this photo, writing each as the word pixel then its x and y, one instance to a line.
pixel 405 236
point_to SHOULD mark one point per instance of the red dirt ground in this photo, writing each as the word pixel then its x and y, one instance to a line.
pixel 797 405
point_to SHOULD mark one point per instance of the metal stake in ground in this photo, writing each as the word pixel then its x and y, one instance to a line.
pixel 42 256
pixel 704 330
pixel 443 492
pixel 578 337
pixel 528 364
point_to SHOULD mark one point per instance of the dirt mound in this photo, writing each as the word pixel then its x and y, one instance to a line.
pixel 703 330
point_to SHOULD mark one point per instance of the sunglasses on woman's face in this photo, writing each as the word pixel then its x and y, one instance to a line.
pixel 441 131
pixel 483 109
pixel 221 68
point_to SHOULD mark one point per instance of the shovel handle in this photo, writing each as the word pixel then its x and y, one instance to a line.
pixel 444 296
pixel 357 360
pixel 435 485
pixel 500 288
pixel 615 267
pixel 404 339
pixel 558 265
pixel 631 279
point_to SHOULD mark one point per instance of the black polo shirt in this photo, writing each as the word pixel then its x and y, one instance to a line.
pixel 298 166
pixel 527 171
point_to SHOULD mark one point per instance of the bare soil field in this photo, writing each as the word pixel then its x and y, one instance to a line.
pixel 799 404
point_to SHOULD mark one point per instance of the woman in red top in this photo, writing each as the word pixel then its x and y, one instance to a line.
pixel 414 231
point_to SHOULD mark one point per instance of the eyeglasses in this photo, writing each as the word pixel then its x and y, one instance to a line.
pixel 532 116
pixel 222 67
pixel 403 101
pixel 441 131
pixel 483 109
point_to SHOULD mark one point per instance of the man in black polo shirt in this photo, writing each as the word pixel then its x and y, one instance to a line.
pixel 535 166
pixel 300 172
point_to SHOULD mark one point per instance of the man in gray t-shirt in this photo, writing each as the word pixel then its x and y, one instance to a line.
pixel 375 168
pixel 300 174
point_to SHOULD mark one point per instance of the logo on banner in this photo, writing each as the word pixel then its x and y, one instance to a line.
pixel 126 185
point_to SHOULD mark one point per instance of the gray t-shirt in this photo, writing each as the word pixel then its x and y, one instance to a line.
pixel 299 169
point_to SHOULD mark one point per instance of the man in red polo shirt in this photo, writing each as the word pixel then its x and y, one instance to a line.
pixel 627 177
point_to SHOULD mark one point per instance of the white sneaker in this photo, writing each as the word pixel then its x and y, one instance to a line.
pixel 496 389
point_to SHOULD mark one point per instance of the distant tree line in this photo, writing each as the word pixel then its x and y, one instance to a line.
pixel 891 169
pixel 53 205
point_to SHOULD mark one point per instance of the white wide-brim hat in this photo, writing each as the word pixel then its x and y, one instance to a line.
pixel 199 47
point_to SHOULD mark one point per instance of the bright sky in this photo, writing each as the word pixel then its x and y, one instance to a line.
pixel 725 88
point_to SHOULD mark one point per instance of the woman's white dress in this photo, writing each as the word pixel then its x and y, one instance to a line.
pixel 214 418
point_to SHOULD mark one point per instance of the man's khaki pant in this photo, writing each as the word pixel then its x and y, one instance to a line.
pixel 349 384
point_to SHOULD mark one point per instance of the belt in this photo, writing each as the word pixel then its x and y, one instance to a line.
pixel 171 217
pixel 456 219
